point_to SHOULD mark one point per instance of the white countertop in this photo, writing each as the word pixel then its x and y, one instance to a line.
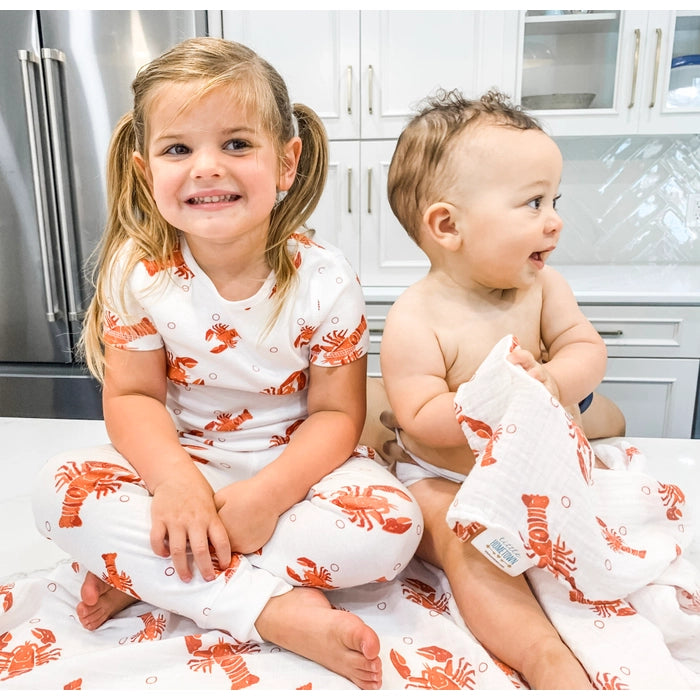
pixel 610 284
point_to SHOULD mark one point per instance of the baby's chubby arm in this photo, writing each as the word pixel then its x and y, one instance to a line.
pixel 414 374
pixel 577 353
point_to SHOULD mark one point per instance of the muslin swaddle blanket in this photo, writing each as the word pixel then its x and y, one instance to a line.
pixel 602 547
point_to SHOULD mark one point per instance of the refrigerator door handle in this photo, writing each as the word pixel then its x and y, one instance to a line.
pixel 29 62
pixel 51 59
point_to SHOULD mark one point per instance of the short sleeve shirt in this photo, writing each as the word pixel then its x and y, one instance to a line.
pixel 232 382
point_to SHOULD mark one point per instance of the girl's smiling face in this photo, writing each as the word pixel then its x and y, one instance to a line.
pixel 213 170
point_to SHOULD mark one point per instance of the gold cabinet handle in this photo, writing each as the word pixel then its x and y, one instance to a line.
pixel 657 60
pixel 369 190
pixel 635 71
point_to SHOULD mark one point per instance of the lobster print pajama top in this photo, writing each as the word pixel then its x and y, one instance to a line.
pixel 236 394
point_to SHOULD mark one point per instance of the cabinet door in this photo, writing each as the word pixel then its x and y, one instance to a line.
pixel 611 72
pixel 337 216
pixel 388 257
pixel 671 103
pixel 656 396
pixel 317 54
pixel 408 55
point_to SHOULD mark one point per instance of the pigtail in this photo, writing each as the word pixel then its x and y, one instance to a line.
pixel 132 215
pixel 292 213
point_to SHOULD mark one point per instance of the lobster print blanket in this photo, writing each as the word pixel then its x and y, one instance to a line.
pixel 601 541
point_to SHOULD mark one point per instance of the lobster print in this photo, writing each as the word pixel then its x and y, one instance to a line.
pixel 227 337
pixel 425 595
pixel 225 655
pixel 436 677
pixel 176 262
pixel 313 575
pixel 6 595
pixel 225 421
pixel 177 369
pixel 363 505
pixel 340 348
pixel 553 556
pixel 25 657
pixel 294 382
pixel 120 336
pixel 114 578
pixel 616 543
pixel 99 478
pixel 671 496
pixel 153 628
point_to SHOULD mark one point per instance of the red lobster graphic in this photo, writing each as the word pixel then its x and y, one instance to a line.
pixel 227 656
pixel 98 477
pixel 294 382
pixel 313 575
pixel 153 628
pixel 6 595
pixel 177 369
pixel 419 592
pixel 177 261
pixel 225 422
pixel 340 348
pixel 120 336
pixel 227 337
pixel 553 556
pixel 120 581
pixel 436 677
pixel 277 440
pixel 671 496
pixel 616 543
pixel 362 505
pixel 25 657
pixel 304 337
pixel 584 452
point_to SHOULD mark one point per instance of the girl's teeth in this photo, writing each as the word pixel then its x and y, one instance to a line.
pixel 213 200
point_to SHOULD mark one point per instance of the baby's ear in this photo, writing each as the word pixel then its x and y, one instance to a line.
pixel 439 224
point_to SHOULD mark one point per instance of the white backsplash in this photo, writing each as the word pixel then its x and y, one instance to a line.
pixel 624 200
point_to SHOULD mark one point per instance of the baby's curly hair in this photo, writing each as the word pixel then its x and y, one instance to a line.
pixel 419 170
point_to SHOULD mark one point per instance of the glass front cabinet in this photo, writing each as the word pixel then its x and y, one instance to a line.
pixel 611 71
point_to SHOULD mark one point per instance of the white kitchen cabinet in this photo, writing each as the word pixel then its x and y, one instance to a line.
pixel 355 215
pixel 624 60
pixel 364 71
pixel 653 364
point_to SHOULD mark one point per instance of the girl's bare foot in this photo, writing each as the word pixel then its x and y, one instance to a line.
pixel 304 622
pixel 99 602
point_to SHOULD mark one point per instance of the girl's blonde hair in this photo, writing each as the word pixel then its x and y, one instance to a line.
pixel 132 214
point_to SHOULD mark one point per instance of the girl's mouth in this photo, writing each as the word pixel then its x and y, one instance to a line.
pixel 214 199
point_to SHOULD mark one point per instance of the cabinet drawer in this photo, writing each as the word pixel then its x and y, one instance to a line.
pixel 647 331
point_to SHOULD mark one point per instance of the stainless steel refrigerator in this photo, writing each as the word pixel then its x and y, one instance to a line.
pixel 65 80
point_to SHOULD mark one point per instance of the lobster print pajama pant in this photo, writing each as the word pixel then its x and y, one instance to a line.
pixel 356 526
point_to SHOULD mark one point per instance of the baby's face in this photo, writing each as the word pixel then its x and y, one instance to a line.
pixel 505 188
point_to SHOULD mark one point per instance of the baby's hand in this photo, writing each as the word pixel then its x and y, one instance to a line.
pixel 525 359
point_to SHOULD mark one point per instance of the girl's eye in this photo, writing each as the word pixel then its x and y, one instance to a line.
pixel 236 145
pixel 178 149
pixel 535 203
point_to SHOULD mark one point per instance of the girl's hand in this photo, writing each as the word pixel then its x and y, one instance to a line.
pixel 246 514
pixel 182 514
pixel 525 359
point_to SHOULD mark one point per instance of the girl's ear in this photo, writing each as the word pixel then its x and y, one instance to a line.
pixel 290 161
pixel 143 167
pixel 439 223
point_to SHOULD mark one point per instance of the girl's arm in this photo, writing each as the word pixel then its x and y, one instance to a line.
pixel 142 430
pixel 324 441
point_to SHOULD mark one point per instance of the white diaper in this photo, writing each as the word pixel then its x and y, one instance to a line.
pixel 408 473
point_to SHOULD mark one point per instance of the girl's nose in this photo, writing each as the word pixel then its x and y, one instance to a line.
pixel 554 223
pixel 206 163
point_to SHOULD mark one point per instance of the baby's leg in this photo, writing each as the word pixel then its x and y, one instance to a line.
pixel 501 611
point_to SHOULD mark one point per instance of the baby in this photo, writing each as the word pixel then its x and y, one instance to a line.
pixel 475 184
